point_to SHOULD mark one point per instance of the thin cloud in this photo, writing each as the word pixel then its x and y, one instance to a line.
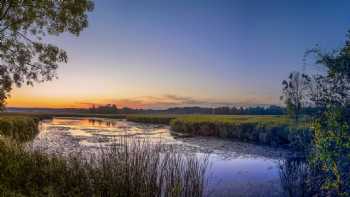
pixel 172 100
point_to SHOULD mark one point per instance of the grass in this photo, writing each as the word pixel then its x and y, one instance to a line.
pixel 268 130
pixel 131 168
pixel 154 119
pixel 20 128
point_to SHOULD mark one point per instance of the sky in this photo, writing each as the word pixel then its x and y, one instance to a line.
pixel 158 54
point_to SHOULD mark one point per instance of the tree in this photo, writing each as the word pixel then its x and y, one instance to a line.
pixel 295 92
pixel 332 125
pixel 24 57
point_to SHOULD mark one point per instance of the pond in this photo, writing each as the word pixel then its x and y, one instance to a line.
pixel 235 168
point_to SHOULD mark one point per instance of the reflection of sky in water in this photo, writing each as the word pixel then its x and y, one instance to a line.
pixel 107 129
pixel 242 173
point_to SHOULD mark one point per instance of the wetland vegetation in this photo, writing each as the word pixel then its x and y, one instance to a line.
pixel 107 151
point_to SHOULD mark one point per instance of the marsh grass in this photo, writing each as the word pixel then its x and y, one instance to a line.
pixel 154 119
pixel 20 128
pixel 268 130
pixel 127 168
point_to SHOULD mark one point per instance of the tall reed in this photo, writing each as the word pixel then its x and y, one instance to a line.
pixel 128 168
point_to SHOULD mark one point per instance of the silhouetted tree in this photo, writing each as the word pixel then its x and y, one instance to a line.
pixel 24 57
pixel 295 92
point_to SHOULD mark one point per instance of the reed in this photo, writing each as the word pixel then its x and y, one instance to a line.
pixel 20 128
pixel 153 119
pixel 268 130
pixel 128 168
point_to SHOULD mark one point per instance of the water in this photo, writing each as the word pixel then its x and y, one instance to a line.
pixel 236 169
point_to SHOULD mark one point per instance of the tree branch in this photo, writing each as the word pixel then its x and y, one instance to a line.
pixel 25 37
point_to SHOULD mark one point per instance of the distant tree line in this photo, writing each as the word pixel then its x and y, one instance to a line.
pixel 258 110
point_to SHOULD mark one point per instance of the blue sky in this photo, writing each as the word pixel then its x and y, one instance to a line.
pixel 167 53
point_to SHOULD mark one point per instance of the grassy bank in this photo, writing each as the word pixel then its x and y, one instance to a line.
pixel 129 169
pixel 268 130
pixel 20 128
pixel 154 119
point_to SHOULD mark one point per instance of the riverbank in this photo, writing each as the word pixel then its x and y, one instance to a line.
pixel 127 167
pixel 235 167
pixel 275 131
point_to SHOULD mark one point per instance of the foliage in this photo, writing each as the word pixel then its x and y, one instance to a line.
pixel 24 57
pixel 294 93
pixel 258 110
pixel 330 92
pixel 332 145
pixel 131 168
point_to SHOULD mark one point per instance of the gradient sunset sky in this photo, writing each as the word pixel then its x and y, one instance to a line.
pixel 187 52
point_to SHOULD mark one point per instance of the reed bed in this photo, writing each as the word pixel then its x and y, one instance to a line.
pixel 153 119
pixel 128 168
pixel 268 130
pixel 20 128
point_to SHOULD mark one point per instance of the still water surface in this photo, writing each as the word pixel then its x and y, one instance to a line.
pixel 236 169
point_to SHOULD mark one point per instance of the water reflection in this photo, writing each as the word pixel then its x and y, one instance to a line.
pixel 85 122
pixel 236 168
pixel 298 179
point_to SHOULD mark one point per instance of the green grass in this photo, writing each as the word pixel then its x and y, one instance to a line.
pixel 234 119
pixel 154 119
pixel 20 128
pixel 268 130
